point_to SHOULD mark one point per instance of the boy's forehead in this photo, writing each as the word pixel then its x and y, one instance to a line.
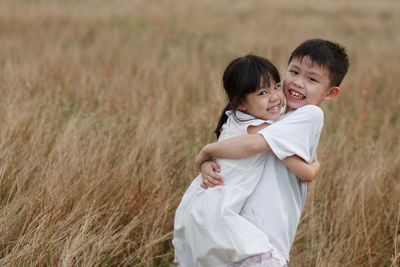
pixel 309 64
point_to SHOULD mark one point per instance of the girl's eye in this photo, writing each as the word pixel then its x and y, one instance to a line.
pixel 278 86
pixel 263 92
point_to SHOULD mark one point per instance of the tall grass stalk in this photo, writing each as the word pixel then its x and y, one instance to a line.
pixel 104 104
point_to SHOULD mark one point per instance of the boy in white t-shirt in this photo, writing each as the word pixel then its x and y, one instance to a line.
pixel 315 71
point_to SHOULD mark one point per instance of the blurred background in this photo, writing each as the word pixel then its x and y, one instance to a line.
pixel 104 105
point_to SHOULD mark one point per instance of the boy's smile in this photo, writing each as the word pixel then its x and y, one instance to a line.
pixel 306 83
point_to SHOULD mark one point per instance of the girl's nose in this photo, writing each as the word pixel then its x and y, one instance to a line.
pixel 274 96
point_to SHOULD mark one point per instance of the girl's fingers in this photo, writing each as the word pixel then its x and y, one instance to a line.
pixel 216 166
pixel 213 181
pixel 218 178
pixel 213 175
pixel 209 181
pixel 204 183
pixel 208 184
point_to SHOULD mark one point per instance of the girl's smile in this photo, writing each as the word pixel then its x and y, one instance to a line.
pixel 265 103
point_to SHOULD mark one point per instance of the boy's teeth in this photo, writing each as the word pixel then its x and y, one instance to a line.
pixel 297 95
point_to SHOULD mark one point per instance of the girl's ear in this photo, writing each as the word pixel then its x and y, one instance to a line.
pixel 241 106
pixel 332 93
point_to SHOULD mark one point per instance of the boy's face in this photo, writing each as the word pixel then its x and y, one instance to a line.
pixel 307 83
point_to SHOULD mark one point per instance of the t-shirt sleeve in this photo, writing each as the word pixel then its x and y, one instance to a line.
pixel 296 134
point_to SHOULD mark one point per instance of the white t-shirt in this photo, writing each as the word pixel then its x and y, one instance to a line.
pixel 275 205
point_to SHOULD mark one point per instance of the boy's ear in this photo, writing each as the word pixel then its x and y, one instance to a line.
pixel 332 93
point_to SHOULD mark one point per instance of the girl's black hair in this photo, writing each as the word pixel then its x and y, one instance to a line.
pixel 241 77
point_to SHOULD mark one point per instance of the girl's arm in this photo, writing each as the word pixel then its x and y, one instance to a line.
pixel 306 172
pixel 209 175
pixel 233 148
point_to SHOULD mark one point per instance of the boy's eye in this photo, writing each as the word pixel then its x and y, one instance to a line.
pixel 295 72
pixel 312 79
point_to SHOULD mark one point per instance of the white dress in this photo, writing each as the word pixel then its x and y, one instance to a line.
pixel 208 230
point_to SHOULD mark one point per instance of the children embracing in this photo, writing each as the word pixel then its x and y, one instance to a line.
pixel 245 206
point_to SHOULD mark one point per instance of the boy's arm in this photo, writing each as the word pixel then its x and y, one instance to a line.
pixel 233 148
pixel 306 172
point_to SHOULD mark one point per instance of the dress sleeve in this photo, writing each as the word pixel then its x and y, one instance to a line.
pixel 253 122
pixel 296 134
pixel 237 125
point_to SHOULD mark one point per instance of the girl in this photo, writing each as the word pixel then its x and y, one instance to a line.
pixel 208 230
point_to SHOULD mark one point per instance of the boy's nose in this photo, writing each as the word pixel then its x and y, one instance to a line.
pixel 298 82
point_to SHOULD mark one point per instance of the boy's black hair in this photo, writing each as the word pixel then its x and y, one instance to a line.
pixel 325 54
pixel 243 76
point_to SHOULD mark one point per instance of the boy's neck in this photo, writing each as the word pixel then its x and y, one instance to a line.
pixel 288 109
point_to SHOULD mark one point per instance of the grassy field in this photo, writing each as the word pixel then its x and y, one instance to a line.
pixel 104 105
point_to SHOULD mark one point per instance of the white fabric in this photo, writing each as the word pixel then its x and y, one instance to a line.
pixel 208 230
pixel 275 205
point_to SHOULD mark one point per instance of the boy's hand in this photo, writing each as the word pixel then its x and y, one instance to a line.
pixel 316 165
pixel 209 176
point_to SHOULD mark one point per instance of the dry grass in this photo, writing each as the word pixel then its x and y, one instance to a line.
pixel 104 105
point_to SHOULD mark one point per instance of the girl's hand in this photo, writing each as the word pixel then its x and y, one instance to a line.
pixel 202 157
pixel 209 176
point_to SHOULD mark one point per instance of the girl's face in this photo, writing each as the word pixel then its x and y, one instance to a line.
pixel 265 103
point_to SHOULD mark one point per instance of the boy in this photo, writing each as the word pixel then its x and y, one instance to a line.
pixel 315 71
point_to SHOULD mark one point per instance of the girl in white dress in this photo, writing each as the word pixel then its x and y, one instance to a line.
pixel 208 230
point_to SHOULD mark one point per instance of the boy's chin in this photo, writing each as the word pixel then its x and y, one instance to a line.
pixel 295 104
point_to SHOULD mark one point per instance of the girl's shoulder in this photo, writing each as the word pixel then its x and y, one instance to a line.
pixel 238 123
pixel 242 119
